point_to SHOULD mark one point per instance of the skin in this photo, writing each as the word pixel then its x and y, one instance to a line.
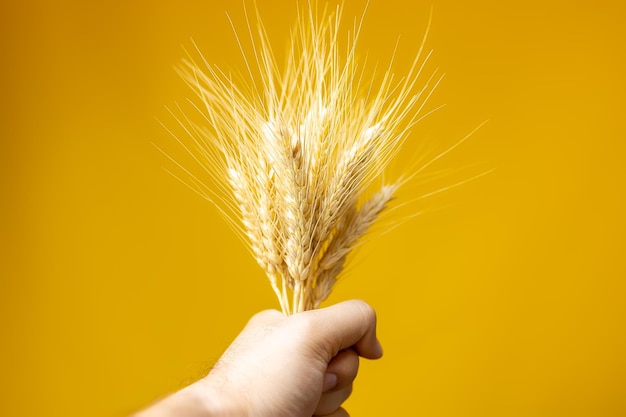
pixel 297 366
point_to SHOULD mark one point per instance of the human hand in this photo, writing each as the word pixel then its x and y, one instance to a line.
pixel 284 366
pixel 299 365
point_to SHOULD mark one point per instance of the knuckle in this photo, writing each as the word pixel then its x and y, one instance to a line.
pixel 367 311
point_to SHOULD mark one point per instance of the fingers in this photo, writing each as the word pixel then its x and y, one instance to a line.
pixel 350 327
pixel 343 368
pixel 337 413
pixel 331 401
pixel 349 324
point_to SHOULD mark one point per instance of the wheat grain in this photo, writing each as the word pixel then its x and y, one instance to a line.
pixel 299 148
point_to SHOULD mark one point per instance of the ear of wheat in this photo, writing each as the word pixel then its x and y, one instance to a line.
pixel 298 150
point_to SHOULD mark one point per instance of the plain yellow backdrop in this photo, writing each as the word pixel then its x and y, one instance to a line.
pixel 504 298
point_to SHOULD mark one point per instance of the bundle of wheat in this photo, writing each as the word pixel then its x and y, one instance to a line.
pixel 297 149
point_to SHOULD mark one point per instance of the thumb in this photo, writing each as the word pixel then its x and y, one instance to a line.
pixel 349 324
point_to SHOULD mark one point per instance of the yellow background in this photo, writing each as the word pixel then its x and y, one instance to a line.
pixel 506 298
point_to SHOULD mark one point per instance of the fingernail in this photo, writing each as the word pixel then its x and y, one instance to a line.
pixel 330 381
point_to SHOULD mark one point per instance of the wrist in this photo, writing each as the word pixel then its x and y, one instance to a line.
pixel 200 399
pixel 208 394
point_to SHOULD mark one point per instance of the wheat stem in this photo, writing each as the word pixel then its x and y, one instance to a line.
pixel 300 147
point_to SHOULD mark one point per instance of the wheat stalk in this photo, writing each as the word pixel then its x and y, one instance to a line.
pixel 300 148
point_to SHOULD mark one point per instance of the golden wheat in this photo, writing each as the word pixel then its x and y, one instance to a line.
pixel 299 148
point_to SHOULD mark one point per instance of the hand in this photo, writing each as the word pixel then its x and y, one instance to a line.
pixel 295 366
pixel 300 365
